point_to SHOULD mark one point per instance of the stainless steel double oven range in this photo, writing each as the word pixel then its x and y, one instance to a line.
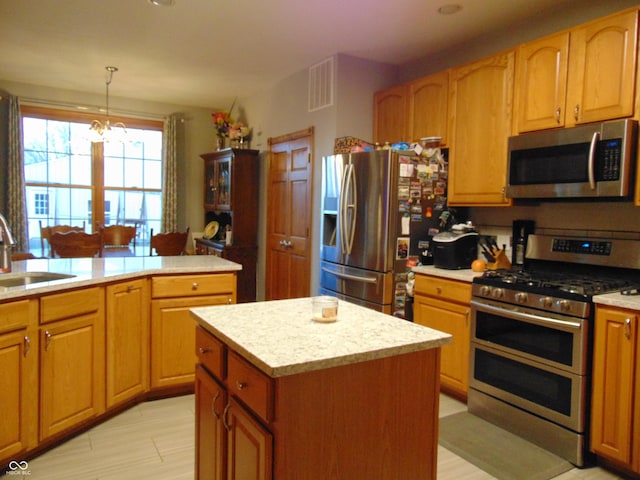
pixel 532 338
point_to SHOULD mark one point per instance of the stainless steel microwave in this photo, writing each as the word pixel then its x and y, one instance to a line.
pixel 595 160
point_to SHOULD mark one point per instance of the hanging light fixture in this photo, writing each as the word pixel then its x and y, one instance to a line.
pixel 104 131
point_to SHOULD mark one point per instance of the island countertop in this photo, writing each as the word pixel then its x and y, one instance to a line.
pixel 280 338
pixel 93 271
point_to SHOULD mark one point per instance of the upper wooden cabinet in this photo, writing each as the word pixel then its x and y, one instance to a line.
pixel 583 75
pixel 541 83
pixel 480 109
pixel 428 107
pixel 390 113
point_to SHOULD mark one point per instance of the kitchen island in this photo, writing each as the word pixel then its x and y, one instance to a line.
pixel 281 396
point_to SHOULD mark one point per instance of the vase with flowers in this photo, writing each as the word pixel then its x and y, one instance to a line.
pixel 222 122
pixel 239 135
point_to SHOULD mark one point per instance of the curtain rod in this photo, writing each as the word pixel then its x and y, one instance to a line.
pixel 88 108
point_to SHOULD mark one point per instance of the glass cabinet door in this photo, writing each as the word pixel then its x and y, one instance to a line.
pixel 224 183
pixel 217 195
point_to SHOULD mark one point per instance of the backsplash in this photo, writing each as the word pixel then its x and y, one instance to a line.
pixel 589 219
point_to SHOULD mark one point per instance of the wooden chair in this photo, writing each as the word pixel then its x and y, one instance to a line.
pixel 118 236
pixel 22 256
pixel 46 232
pixel 167 244
pixel 75 244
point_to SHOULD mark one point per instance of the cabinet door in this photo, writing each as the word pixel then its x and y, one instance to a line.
pixel 173 336
pixel 211 399
pixel 428 107
pixel 249 446
pixel 480 123
pixel 390 108
pixel 19 387
pixel 541 83
pixel 127 341
pixel 71 372
pixel 217 188
pixel 454 319
pixel 602 68
pixel 615 355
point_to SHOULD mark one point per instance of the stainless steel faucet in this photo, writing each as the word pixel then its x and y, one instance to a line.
pixel 6 242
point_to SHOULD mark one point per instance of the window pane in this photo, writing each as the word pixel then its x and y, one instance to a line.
pixel 80 170
pixel 133 173
pixel 59 168
pixel 113 172
pixel 153 174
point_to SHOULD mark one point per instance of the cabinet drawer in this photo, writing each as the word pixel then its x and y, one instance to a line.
pixel 192 285
pixel 70 304
pixel 211 352
pixel 16 314
pixel 442 288
pixel 250 385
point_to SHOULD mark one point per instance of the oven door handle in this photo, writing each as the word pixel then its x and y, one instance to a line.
pixel 544 321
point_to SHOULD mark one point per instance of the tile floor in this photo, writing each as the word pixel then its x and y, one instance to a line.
pixel 155 440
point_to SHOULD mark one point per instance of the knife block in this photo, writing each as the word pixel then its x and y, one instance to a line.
pixel 501 261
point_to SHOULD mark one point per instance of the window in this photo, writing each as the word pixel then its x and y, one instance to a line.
pixel 69 180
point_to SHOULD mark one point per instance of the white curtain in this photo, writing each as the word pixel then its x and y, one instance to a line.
pixel 16 205
pixel 169 175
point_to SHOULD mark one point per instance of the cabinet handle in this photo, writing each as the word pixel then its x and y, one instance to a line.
pixel 467 316
pixel 47 340
pixel 27 345
pixel 129 288
pixel 225 415
pixel 230 301
pixel 627 328
pixel 203 350
pixel 195 286
pixel 438 290
pixel 213 405
pixel 576 112
pixel 241 385
pixel 558 111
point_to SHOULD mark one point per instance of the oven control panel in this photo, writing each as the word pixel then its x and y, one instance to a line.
pixel 589 247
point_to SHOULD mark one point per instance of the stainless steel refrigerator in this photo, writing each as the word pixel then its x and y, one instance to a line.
pixel 379 212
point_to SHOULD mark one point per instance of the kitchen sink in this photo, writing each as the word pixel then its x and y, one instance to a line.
pixel 27 278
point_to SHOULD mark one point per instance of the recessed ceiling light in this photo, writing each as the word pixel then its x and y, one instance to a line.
pixel 163 3
pixel 449 9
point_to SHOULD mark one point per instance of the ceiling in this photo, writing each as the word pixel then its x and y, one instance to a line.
pixel 206 52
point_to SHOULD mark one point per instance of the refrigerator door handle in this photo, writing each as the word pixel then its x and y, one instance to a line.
pixel 342 210
pixel 351 206
pixel 347 276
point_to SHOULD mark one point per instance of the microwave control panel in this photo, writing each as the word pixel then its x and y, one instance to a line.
pixel 610 154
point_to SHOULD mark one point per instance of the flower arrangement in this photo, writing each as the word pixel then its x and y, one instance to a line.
pixel 222 122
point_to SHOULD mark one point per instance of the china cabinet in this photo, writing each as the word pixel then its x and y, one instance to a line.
pixel 231 193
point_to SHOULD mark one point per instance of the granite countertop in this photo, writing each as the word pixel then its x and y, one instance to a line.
pixel 464 275
pixel 631 302
pixel 280 338
pixel 91 271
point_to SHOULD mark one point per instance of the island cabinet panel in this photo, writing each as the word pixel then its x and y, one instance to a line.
pixel 615 412
pixel 127 341
pixel 172 326
pixel 72 359
pixel 347 421
pixel 18 377
pixel 445 305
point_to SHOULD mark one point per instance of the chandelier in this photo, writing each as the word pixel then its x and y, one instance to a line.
pixel 104 131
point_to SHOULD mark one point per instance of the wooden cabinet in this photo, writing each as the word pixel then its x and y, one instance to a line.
pixel 172 326
pixel 445 305
pixel 481 95
pixel 231 193
pixel 390 114
pixel 127 341
pixel 615 411
pixel 541 83
pixel 602 69
pixel 72 359
pixel 247 256
pixel 286 427
pixel 428 107
pixel 18 377
pixel 583 75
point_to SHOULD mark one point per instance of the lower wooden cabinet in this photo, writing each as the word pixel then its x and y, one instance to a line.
pixel 211 399
pixel 127 341
pixel 615 410
pixel 172 326
pixel 18 377
pixel 72 359
pixel 445 305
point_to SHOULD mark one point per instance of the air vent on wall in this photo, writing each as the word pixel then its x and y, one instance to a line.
pixel 321 85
